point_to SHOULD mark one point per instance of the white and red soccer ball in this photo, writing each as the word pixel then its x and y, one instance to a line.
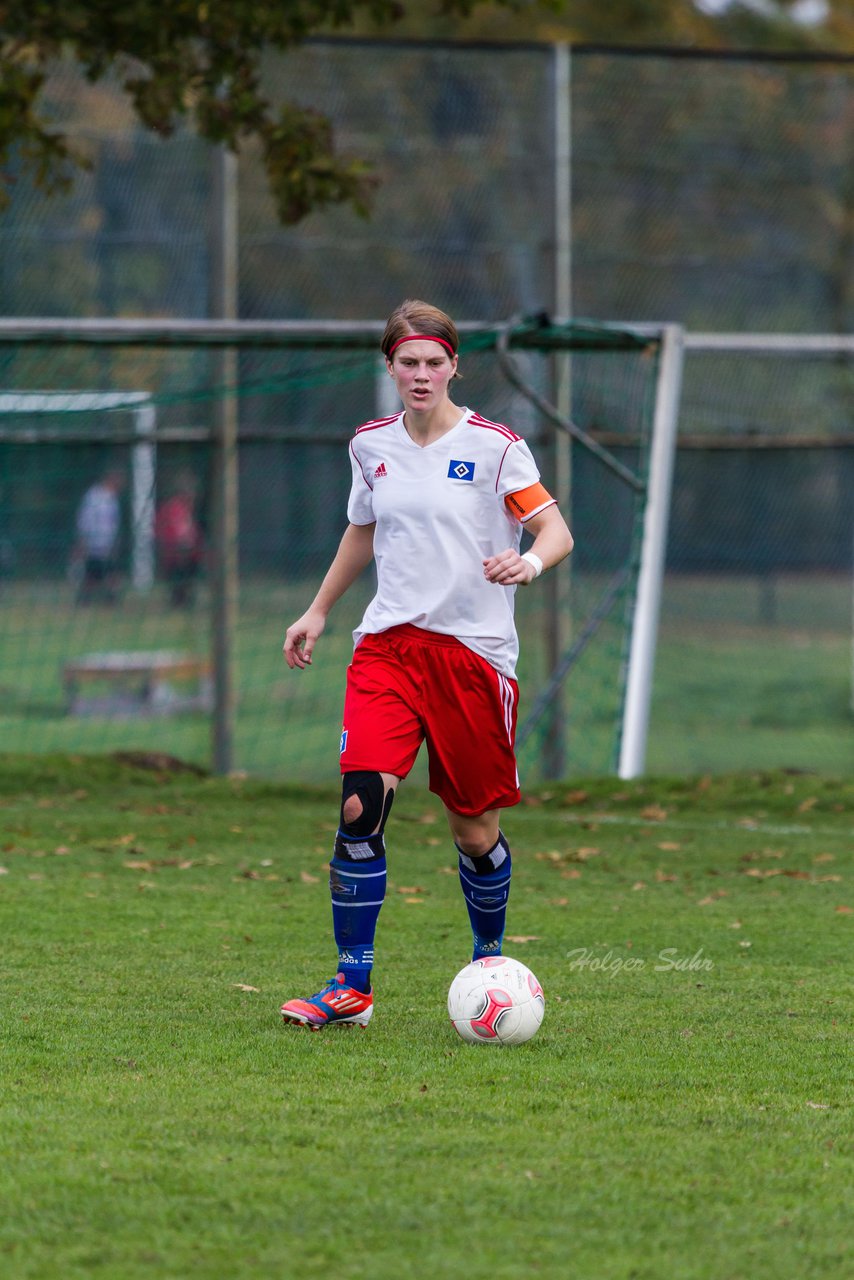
pixel 496 1000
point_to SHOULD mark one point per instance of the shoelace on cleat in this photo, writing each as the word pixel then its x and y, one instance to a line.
pixel 331 986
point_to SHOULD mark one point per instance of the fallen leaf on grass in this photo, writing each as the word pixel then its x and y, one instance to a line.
pixel 572 873
pixel 662 877
pixel 414 888
pixel 809 803
pixel 819 1106
pixel 654 813
pixel 307 878
pixel 523 937
pixel 414 902
pixel 139 866
pixel 576 797
pixel 244 986
pixel 823 857
pixel 670 845
pixel 639 884
pixel 844 911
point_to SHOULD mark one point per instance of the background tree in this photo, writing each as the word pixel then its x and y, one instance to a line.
pixel 202 59
pixel 792 25
pixel 188 58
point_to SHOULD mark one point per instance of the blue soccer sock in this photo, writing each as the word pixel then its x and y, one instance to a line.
pixel 485 882
pixel 357 882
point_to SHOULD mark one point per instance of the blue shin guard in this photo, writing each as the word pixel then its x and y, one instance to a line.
pixel 357 883
pixel 485 882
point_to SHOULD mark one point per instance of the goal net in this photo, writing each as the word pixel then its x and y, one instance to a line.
pixel 259 415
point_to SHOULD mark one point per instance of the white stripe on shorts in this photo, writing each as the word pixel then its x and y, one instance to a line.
pixel 507 699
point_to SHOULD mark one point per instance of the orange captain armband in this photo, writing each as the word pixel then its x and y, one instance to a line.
pixel 529 502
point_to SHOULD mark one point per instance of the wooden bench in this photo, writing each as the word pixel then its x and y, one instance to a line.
pixel 136 683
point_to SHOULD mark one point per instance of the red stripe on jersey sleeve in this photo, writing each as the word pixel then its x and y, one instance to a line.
pixel 361 468
pixel 479 421
pixel 377 422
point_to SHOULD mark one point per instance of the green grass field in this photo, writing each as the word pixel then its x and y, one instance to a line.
pixel 684 1112
pixel 733 690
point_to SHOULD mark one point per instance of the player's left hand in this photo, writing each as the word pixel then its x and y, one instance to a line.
pixel 508 569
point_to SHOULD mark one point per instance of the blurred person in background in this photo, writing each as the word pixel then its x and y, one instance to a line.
pixel 180 543
pixel 98 529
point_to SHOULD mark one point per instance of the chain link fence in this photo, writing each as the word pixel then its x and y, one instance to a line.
pixel 117 526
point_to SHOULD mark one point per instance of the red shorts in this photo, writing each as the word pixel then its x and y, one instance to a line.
pixel 407 685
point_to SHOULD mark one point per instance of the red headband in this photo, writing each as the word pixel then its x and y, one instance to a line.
pixel 420 337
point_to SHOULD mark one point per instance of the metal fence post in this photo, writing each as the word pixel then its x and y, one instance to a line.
pixel 559 619
pixel 224 306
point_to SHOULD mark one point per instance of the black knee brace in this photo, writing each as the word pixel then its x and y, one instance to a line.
pixel 376 805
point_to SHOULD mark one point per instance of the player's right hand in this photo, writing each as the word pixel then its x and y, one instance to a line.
pixel 300 639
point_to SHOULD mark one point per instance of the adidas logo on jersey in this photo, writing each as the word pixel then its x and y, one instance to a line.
pixel 380 472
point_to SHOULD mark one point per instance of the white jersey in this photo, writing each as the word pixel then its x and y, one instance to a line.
pixel 440 511
pixel 99 521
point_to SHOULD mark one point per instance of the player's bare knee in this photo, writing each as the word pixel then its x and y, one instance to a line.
pixel 474 834
pixel 365 804
pixel 475 846
pixel 352 809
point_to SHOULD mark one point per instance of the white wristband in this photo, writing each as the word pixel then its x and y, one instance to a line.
pixel 535 560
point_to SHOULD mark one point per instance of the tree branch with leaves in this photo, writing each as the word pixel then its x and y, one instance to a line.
pixel 197 60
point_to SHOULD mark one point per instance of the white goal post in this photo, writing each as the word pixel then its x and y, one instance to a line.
pixel 644 635
pixel 143 456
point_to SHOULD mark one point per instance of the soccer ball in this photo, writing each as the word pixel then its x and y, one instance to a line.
pixel 496 1000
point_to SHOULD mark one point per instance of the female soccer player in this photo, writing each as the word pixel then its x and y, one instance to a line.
pixel 439 498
